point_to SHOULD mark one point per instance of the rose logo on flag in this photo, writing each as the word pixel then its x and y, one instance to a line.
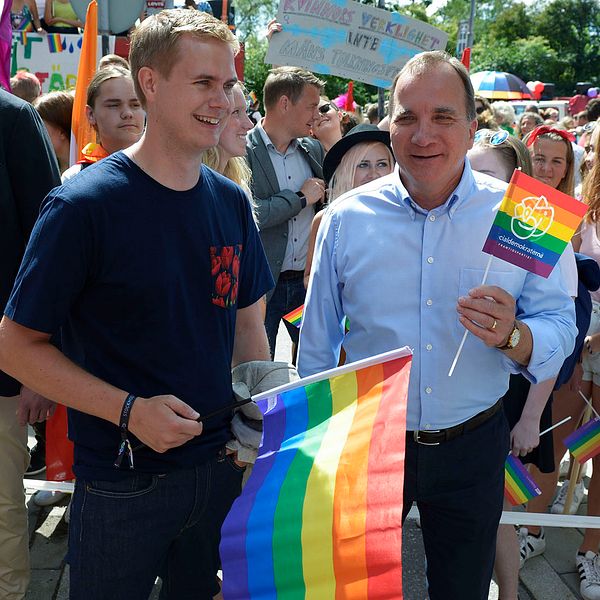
pixel 532 218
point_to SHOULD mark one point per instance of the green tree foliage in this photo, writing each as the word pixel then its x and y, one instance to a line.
pixel 530 59
pixel 553 41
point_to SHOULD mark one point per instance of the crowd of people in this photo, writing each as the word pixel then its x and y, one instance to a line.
pixel 134 280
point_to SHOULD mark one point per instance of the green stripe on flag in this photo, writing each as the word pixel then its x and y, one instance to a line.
pixel 287 527
pixel 546 241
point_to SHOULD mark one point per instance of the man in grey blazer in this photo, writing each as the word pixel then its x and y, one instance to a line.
pixel 287 182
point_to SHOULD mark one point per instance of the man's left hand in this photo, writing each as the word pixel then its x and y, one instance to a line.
pixel 33 408
pixel 489 313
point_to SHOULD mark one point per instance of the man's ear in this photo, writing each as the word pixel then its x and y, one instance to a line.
pixel 284 103
pixel 148 81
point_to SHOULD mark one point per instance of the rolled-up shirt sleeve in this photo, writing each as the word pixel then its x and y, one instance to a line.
pixel 549 312
pixel 322 330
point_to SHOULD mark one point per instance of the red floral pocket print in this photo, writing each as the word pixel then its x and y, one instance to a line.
pixel 225 270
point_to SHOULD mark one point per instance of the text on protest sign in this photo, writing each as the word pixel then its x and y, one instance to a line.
pixel 349 39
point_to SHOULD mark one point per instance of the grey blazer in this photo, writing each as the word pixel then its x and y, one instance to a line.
pixel 275 207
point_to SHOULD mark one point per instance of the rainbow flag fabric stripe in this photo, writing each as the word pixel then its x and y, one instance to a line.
pixel 533 225
pixel 321 515
pixel 584 443
pixel 295 316
pixel 55 43
pixel 519 486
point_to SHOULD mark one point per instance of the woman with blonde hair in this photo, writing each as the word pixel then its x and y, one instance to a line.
pixel 362 155
pixel 228 157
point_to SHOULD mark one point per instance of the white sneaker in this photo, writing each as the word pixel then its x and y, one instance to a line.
pixel 48 498
pixel 559 504
pixel 589 575
pixel 530 545
pixel 565 465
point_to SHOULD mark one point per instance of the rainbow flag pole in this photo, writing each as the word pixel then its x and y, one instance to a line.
pixel 321 515
pixel 533 226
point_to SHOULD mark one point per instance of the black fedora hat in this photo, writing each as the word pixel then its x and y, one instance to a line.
pixel 358 134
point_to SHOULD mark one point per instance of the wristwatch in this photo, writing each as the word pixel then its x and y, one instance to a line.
pixel 302 198
pixel 513 339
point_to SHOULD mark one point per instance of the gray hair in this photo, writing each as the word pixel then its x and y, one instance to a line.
pixel 425 61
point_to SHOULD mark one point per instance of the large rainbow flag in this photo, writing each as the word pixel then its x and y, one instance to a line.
pixel 519 486
pixel 321 515
pixel 584 443
pixel 533 225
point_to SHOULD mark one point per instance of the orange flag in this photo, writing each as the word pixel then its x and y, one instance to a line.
pixel 82 132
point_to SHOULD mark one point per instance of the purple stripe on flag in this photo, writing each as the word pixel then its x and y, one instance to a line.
pixel 235 584
pixel 517 258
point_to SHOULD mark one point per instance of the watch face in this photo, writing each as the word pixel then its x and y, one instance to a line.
pixel 515 336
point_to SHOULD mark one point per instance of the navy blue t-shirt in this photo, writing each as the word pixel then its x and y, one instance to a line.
pixel 143 283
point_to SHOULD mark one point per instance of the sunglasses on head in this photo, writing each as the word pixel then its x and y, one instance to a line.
pixel 325 108
pixel 494 138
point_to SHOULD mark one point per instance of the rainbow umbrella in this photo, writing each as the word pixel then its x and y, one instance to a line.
pixel 497 85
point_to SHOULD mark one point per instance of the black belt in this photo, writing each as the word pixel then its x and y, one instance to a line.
pixel 291 274
pixel 437 436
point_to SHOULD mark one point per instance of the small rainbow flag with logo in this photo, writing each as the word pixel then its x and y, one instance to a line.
pixel 55 43
pixel 519 486
pixel 584 443
pixel 533 225
pixel 321 515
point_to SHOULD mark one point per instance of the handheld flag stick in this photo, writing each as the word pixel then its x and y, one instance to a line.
pixel 555 425
pixel 588 402
pixel 464 338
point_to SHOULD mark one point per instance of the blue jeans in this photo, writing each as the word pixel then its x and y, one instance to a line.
pixel 123 534
pixel 288 295
pixel 459 489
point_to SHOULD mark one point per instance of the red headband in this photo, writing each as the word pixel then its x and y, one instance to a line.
pixel 543 129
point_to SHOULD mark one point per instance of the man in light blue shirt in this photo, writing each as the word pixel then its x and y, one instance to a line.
pixel 401 258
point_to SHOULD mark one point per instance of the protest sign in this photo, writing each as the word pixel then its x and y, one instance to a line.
pixel 53 58
pixel 349 39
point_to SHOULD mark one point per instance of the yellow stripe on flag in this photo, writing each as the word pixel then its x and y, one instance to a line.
pixel 557 229
pixel 317 541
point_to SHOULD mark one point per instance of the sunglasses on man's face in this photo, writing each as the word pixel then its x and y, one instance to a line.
pixel 480 109
pixel 325 108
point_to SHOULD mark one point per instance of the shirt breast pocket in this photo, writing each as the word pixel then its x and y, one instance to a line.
pixel 224 272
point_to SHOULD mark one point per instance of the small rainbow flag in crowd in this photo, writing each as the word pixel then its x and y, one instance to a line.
pixel 26 26
pixel 584 443
pixel 321 515
pixel 519 486
pixel 295 316
pixel 23 36
pixel 533 225
pixel 55 42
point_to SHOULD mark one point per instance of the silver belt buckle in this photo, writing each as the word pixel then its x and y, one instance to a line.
pixel 416 438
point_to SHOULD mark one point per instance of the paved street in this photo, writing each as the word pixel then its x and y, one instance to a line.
pixel 551 576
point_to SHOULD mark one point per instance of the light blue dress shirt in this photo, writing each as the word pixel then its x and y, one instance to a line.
pixel 397 271
pixel 292 170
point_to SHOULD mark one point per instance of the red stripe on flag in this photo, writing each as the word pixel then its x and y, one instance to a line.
pixel 385 484
pixel 537 188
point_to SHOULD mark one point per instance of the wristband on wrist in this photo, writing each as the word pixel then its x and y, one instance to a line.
pixel 125 446
pixel 302 198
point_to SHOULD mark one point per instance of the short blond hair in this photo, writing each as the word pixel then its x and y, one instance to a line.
pixel 155 42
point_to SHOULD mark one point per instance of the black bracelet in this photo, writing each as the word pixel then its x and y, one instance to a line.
pixel 125 446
